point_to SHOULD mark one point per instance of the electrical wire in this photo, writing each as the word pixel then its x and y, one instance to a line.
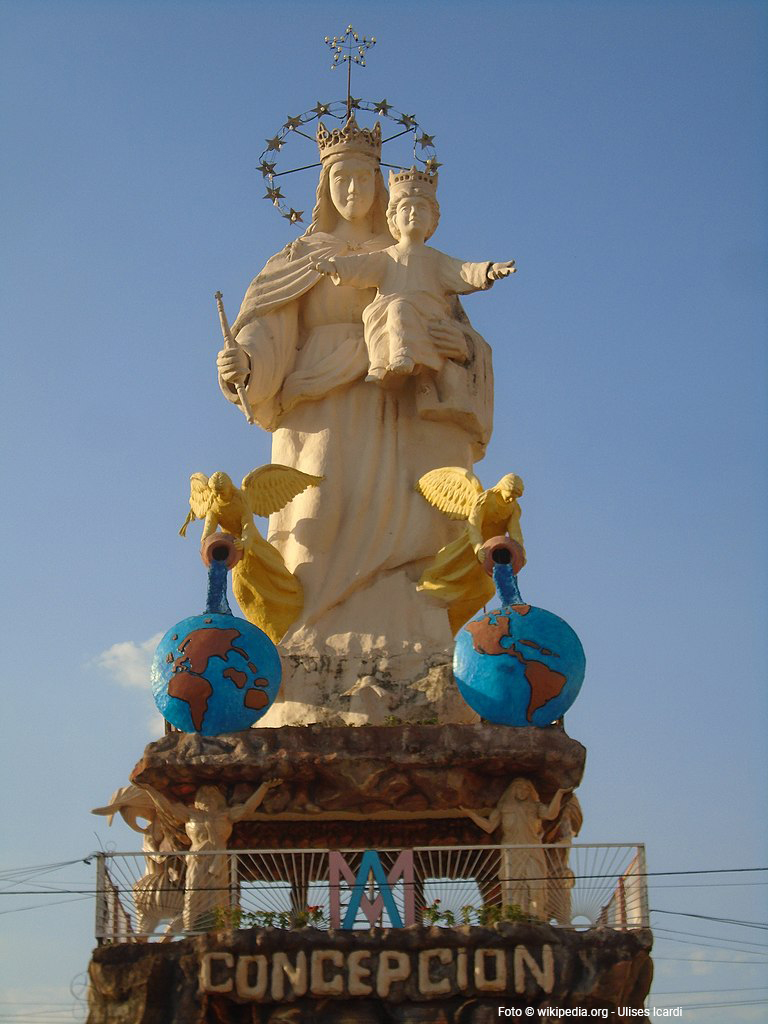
pixel 710 991
pixel 698 935
pixel 706 960
pixel 719 920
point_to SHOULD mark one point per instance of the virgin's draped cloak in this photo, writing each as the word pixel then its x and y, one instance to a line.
pixel 360 541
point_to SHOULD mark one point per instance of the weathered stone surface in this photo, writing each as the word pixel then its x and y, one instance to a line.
pixel 439 975
pixel 341 786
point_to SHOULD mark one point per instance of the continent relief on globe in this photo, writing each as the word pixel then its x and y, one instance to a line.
pixel 487 637
pixel 188 682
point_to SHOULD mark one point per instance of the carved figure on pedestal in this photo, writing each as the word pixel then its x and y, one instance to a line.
pixel 456 577
pixel 159 894
pixel 359 543
pixel 413 281
pixel 269 595
pixel 208 823
pixel 518 816
pixel 564 829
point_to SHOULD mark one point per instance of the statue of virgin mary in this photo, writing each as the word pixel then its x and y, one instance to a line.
pixel 367 645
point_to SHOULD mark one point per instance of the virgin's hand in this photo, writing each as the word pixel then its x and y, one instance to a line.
pixel 234 365
pixel 449 339
pixel 324 266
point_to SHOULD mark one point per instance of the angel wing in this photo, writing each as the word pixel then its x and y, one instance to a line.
pixel 132 803
pixel 201 499
pixel 270 488
pixel 452 490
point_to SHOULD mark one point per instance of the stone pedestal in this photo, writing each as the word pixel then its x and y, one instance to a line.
pixel 403 976
pixel 374 786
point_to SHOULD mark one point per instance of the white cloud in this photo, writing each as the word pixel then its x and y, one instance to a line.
pixel 129 662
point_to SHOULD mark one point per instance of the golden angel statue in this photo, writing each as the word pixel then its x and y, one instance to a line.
pixel 456 577
pixel 269 595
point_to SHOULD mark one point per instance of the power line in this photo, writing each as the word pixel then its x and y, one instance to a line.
pixel 704 885
pixel 718 920
pixel 711 991
pixel 713 938
pixel 712 1006
pixel 705 960
pixel 711 945
pixel 43 906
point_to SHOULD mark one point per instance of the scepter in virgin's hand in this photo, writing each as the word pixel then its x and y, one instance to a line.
pixel 230 343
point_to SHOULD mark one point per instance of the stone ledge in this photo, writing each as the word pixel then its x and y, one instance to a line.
pixel 382 785
pixel 195 981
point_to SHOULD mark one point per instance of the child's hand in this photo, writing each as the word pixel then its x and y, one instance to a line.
pixel 324 266
pixel 498 270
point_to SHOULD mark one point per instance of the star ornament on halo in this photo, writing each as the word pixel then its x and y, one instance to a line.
pixel 267 169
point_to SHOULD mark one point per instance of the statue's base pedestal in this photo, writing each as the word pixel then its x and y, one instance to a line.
pixel 404 976
pixel 375 786
pixel 368 688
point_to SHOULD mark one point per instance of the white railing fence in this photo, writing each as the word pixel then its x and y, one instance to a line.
pixel 153 896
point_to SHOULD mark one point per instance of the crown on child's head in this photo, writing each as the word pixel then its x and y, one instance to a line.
pixel 351 139
pixel 413 182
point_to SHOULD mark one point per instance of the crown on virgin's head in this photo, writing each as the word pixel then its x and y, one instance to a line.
pixel 412 182
pixel 349 139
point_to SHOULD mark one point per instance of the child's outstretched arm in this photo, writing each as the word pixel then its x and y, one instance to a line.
pixel 499 270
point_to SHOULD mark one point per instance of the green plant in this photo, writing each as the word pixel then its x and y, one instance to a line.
pixel 311 916
pixel 512 912
pixel 219 918
pixel 488 914
pixel 467 913
pixel 432 914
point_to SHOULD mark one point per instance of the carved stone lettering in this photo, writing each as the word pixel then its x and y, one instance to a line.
pixel 320 984
pixel 296 974
pixel 208 972
pixel 358 986
pixel 496 981
pixel 427 985
pixel 251 977
pixel 393 966
pixel 462 975
pixel 543 974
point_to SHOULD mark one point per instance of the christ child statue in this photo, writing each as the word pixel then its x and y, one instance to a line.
pixel 413 281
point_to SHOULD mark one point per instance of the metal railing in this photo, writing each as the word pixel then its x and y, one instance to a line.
pixel 159 896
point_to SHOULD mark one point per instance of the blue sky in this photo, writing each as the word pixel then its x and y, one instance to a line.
pixel 617 151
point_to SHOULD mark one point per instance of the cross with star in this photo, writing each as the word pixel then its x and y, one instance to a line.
pixel 349 49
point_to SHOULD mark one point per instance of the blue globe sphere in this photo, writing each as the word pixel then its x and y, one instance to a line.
pixel 215 673
pixel 519 665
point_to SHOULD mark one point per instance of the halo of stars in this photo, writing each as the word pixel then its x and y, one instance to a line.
pixel 424 153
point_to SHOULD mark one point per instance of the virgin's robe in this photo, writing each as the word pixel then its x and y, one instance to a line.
pixel 360 541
